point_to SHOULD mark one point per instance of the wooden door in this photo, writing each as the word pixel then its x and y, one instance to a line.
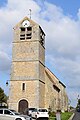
pixel 23 104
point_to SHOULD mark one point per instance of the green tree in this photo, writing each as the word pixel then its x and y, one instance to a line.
pixel 78 101
pixel 3 97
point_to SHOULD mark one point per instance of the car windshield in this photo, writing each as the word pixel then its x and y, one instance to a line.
pixel 31 109
pixel 16 113
pixel 42 110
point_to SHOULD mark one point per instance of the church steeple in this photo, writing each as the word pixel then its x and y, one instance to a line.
pixel 28 65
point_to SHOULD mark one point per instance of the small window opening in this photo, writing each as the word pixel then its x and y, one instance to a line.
pixel 23 86
pixel 22 29
pixel 42 37
pixel 22 35
pixel 29 34
pixel 28 37
pixel 22 38
pixel 29 28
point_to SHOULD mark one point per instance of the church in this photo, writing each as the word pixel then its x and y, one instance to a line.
pixel 32 84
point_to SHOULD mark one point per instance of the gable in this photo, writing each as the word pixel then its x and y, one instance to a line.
pixel 32 23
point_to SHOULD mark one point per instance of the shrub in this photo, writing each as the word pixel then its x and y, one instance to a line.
pixel 52 114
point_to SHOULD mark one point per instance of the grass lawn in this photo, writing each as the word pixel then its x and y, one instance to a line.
pixel 52 118
pixel 64 116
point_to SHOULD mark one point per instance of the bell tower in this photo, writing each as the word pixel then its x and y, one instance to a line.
pixel 27 83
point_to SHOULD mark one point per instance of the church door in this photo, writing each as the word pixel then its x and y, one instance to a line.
pixel 23 104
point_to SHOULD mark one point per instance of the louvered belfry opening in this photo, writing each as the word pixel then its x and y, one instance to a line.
pixel 25 33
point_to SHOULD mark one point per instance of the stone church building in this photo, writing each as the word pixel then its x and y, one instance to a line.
pixel 32 84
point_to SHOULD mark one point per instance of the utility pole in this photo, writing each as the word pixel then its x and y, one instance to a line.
pixel 30 13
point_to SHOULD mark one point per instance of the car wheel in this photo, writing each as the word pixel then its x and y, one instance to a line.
pixel 18 119
pixel 30 118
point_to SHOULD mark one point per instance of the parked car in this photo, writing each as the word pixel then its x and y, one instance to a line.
pixel 40 113
pixel 28 111
pixel 6 114
pixel 22 115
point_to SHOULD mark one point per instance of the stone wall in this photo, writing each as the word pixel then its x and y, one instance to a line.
pixel 53 98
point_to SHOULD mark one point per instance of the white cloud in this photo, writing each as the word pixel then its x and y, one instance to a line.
pixel 62 36
pixel 52 12
pixel 12 13
pixel 74 96
pixel 4 62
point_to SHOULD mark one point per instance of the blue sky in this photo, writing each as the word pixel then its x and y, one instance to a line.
pixel 3 3
pixel 60 19
pixel 68 6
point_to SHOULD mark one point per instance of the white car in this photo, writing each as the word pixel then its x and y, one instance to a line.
pixel 40 113
pixel 28 111
pixel 6 114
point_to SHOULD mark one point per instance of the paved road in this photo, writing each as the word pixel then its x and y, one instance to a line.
pixel 76 116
